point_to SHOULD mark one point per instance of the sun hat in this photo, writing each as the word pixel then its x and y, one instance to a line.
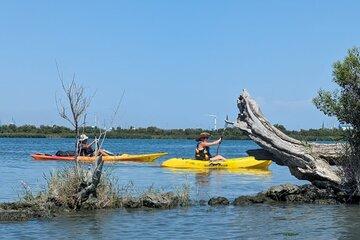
pixel 83 137
pixel 203 135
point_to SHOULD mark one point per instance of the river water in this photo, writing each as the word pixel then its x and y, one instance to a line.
pixel 199 222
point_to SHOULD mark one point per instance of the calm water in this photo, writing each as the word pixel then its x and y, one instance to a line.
pixel 288 221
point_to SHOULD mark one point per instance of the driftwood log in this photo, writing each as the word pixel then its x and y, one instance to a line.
pixel 88 187
pixel 306 161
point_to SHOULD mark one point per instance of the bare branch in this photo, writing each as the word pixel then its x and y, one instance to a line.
pixel 112 120
pixel 78 103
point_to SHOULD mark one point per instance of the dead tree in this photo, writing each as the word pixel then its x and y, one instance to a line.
pixel 75 111
pixel 88 187
pixel 314 162
pixel 77 106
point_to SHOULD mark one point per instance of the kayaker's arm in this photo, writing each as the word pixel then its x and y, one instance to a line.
pixel 92 143
pixel 207 144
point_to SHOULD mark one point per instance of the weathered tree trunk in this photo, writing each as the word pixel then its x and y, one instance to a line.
pixel 307 161
pixel 88 187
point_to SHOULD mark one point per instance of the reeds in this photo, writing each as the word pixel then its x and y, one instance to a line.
pixel 62 186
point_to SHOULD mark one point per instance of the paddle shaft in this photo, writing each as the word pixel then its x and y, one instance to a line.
pixel 222 135
pixel 218 147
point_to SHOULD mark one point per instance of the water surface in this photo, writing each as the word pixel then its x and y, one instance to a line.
pixel 258 221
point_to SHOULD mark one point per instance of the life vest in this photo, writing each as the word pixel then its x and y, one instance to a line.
pixel 203 154
pixel 85 151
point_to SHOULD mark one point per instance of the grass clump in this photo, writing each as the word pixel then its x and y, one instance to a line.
pixel 62 187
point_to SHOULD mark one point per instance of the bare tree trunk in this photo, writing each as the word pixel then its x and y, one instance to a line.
pixel 307 161
pixel 88 187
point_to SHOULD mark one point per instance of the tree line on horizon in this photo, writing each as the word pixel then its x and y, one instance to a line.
pixel 55 131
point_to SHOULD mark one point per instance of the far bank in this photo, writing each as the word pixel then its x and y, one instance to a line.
pixel 30 131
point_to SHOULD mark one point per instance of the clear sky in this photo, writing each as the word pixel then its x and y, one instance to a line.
pixel 176 60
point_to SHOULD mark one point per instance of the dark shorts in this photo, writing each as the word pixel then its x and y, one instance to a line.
pixel 202 158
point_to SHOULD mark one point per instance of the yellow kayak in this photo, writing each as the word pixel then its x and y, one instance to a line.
pixel 108 158
pixel 233 163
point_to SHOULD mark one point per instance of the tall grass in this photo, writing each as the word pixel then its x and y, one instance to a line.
pixel 62 186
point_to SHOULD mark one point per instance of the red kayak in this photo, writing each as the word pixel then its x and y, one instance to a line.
pixel 108 158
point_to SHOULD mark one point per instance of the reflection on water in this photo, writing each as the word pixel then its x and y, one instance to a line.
pixel 207 179
pixel 202 179
pixel 240 171
pixel 255 222
pixel 202 182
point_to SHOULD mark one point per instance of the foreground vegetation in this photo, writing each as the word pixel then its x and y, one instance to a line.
pixel 54 131
pixel 59 196
pixel 61 192
pixel 48 204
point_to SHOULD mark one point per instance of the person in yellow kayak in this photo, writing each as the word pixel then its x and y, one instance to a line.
pixel 202 151
pixel 84 148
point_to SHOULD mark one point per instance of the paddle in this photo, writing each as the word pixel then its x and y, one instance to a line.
pixel 222 134
pixel 103 151
pixel 108 152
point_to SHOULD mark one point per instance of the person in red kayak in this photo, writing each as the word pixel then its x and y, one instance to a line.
pixel 84 148
pixel 202 151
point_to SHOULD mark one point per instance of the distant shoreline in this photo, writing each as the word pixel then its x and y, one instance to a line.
pixel 29 131
pixel 111 137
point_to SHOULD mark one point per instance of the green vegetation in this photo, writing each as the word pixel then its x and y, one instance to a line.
pixel 29 131
pixel 344 103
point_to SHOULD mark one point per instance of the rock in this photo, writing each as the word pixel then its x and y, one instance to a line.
pixel 20 211
pixel 17 206
pixel 131 203
pixel 218 201
pixel 279 193
pixel 246 200
pixel 326 201
pixel 294 194
pixel 343 197
pixel 302 194
pixel 166 200
pixel 296 198
pixel 317 195
pixel 15 215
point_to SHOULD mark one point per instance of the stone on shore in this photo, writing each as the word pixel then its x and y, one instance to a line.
pixel 165 200
pixel 246 200
pixel 131 203
pixel 302 194
pixel 290 193
pixel 218 201
pixel 19 211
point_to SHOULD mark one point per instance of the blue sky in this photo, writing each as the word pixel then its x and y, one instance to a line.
pixel 176 60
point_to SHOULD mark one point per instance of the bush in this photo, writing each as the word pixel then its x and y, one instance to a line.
pixel 344 103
